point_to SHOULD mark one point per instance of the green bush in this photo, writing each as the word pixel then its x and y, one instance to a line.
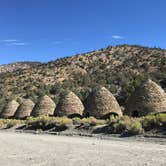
pixel 91 121
pixel 135 128
pixel 162 118
pixel 8 123
pixel 126 126
pixel 76 121
pixel 153 121
pixel 43 121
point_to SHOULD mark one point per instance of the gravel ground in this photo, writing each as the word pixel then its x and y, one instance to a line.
pixel 21 149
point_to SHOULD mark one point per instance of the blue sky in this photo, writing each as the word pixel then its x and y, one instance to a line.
pixel 43 30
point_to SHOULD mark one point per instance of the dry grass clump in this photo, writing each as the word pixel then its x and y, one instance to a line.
pixel 126 125
pixel 8 123
pixel 1 124
pixel 154 121
pixel 46 121
pixel 91 121
pixel 132 126
pixel 11 123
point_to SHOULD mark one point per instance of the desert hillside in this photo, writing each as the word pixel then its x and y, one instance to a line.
pixel 16 66
pixel 121 69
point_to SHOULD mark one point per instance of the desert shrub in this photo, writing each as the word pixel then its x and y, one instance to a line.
pixel 162 119
pixel 126 125
pixel 153 121
pixel 93 121
pixel 63 121
pixel 76 121
pixel 12 122
pixel 149 122
pixel 135 128
pixel 90 121
pixel 1 123
pixel 8 123
pixel 45 121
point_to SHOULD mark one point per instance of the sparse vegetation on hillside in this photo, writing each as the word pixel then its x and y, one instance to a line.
pixel 120 69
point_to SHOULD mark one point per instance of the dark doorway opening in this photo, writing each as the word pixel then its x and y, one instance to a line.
pixel 107 116
pixel 87 115
pixel 75 115
pixel 135 114
pixel 163 84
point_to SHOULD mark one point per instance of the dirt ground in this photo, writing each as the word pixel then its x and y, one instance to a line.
pixel 21 149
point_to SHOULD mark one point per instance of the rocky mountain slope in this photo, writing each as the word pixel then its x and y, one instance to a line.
pixel 16 66
pixel 121 69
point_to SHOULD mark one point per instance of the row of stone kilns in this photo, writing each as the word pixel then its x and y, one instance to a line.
pixel 149 98
pixel 100 103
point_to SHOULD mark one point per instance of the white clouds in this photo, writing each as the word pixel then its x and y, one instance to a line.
pixel 117 37
pixel 10 40
pixel 16 44
pixel 57 42
pixel 13 42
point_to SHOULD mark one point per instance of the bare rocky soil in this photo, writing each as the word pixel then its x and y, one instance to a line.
pixel 21 149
